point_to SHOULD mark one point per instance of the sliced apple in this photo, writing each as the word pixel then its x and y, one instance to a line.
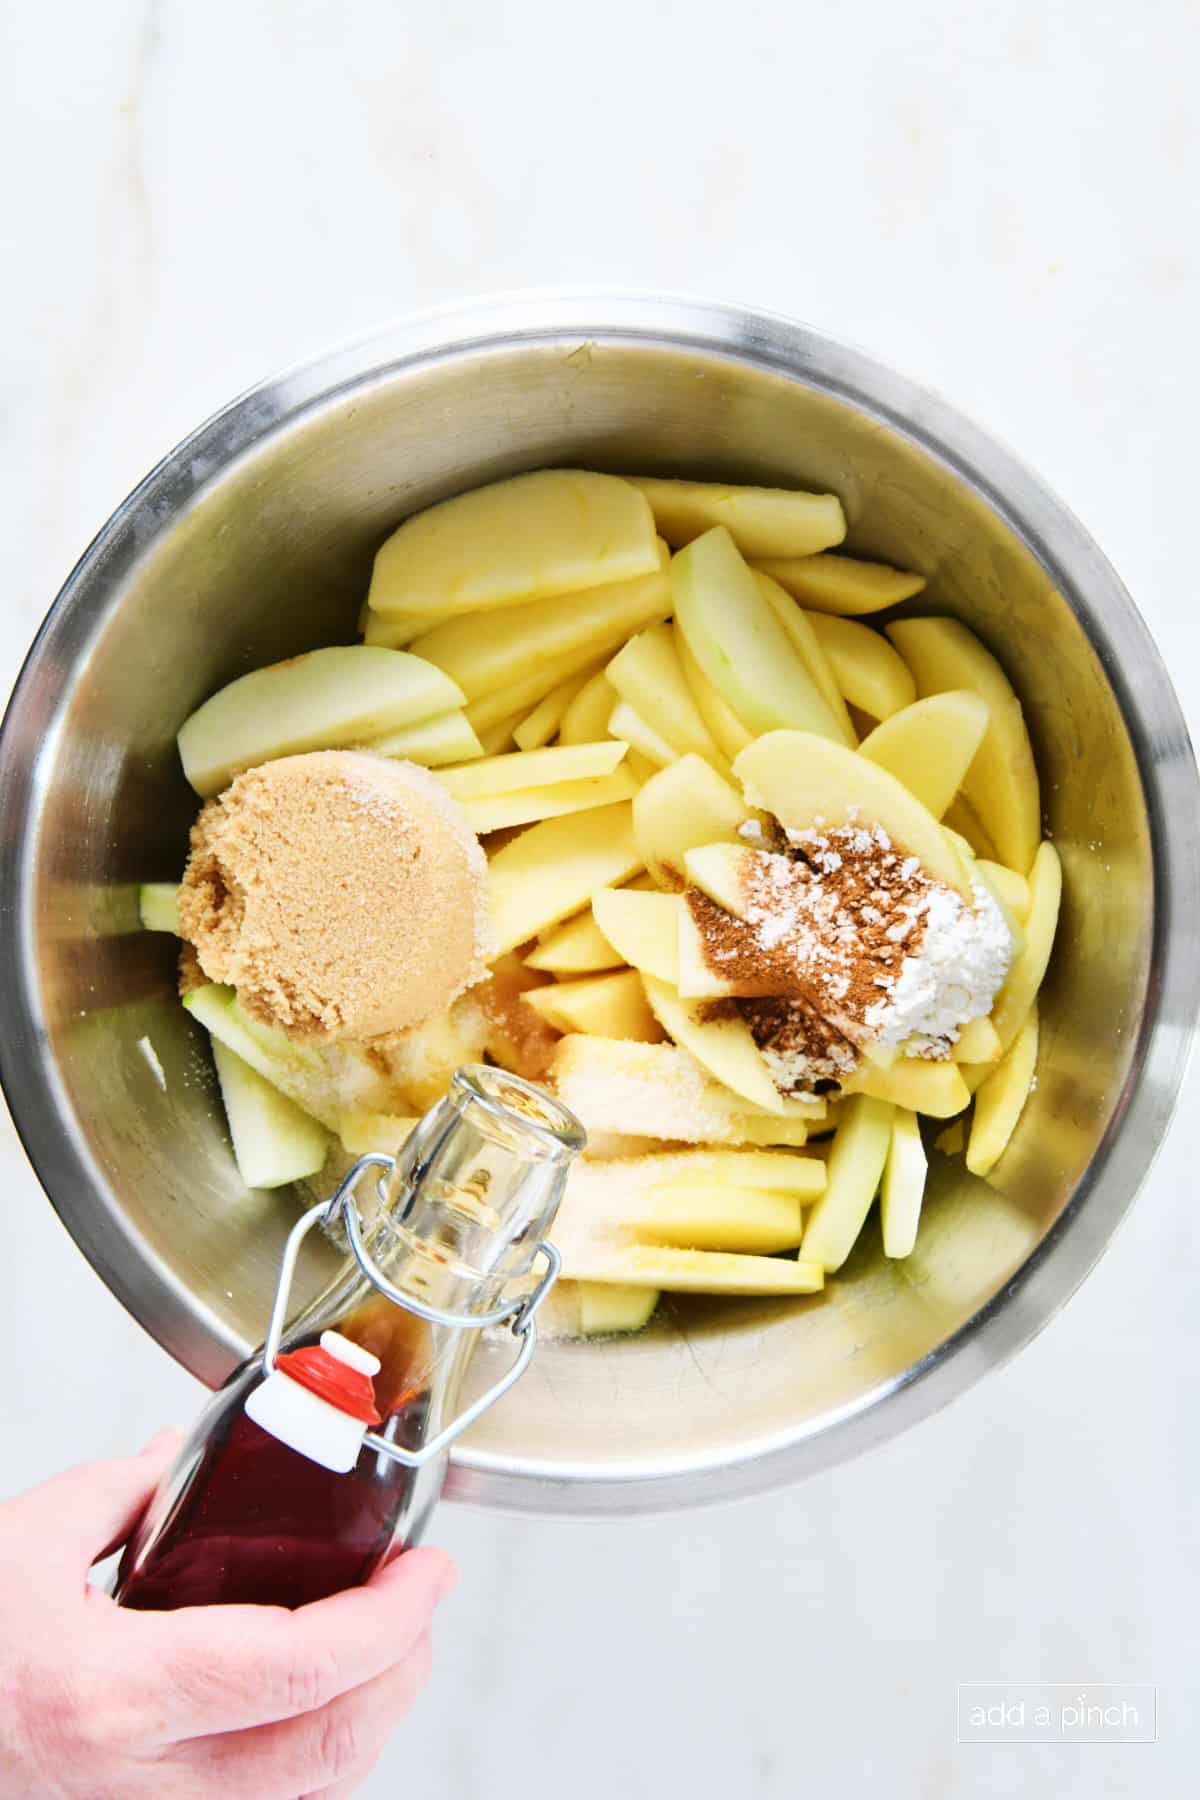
pixel 842 584
pixel 587 716
pixel 1010 889
pixel 696 979
pixel 808 648
pixel 978 1042
pixel 497 739
pixel 1025 977
pixel 631 727
pixel 548 714
pixel 1001 1099
pixel 533 768
pixel 852 1176
pixel 930 745
pixel 692 1271
pixel 643 928
pixel 761 521
pixel 869 672
pixel 937 1089
pixel 158 906
pixel 683 806
pixel 578 947
pixel 605 1309
pixel 446 738
pixel 292 1069
pixel 648 674
pixel 325 698
pixel 716 1218
pixel 903 1187
pixel 723 1045
pixel 808 783
pixel 550 532
pixel 274 1142
pixel 362 1130
pixel 733 633
pixel 611 1006
pixel 526 692
pixel 728 732
pixel 484 652
pixel 961 817
pixel 553 869
pixel 1002 782
pixel 499 812
pixel 773 1171
pixel 395 631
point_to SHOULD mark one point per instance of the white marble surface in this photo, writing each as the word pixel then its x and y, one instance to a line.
pixel 1000 200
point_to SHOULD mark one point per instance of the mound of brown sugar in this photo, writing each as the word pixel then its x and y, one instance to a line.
pixel 342 894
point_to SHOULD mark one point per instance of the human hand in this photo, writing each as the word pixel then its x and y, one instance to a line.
pixel 241 1702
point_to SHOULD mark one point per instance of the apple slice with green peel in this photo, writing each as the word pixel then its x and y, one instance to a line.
pixel 750 1220
pixel 445 738
pixel 648 674
pixel 631 727
pixel 852 1175
pixel 865 666
pixel 1000 1099
pixel 761 521
pixel 608 1308
pixel 937 1089
pixel 578 947
pixel 550 532
pixel 808 648
pixel 930 745
pixel 586 718
pixel 543 722
pixel 682 806
pixel 533 768
pixel 322 700
pixel 553 869
pixel 1002 782
pixel 728 732
pixel 483 652
pixel 1025 977
pixel 691 1271
pixel 292 1068
pixel 158 906
pixel 733 633
pixel 903 1186
pixel 724 1045
pixel 522 806
pixel 642 928
pixel 811 784
pixel 608 1006
pixel 274 1142
pixel 841 584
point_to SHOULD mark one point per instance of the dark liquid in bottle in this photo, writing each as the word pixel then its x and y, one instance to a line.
pixel 260 1524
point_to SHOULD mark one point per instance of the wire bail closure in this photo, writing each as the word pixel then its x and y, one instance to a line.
pixel 521 1311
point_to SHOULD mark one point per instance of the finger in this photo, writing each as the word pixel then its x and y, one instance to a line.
pixel 333 1748
pixel 94 1506
pixel 228 1668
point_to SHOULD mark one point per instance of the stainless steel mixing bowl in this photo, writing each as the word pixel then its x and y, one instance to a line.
pixel 254 539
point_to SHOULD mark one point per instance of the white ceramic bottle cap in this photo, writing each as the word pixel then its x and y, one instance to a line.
pixel 353 1355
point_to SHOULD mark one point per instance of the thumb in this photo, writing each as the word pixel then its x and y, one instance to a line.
pixel 80 1516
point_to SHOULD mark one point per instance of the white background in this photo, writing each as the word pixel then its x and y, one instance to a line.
pixel 1000 199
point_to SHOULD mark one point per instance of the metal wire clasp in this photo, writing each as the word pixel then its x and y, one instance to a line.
pixel 522 1311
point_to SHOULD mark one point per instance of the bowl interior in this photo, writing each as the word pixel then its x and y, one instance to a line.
pixel 221 565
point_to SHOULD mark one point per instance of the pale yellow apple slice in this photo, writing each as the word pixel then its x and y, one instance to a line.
pixel 395 631
pixel 445 738
pixel 685 805
pixel 808 648
pixel 660 1091
pixel 497 739
pixel 1025 977
pixel 852 1176
pixel 961 817
pixel 521 806
pixel 648 674
pixel 631 727
pixel 587 716
pixel 533 768
pixel 696 978
pixel 550 532
pixel 733 633
pixel 1002 782
pixel 528 691
pixel 1010 889
pixel 761 521
pixel 692 1271
pixel 1000 1099
pixel 724 1046
pixel 319 701
pixel 772 1171
pixel 728 732
pixel 543 722
pixel 158 906
pixel 611 1006
pixel 605 1309
pixel 577 947
pixel 553 869
pixel 484 652
pixel 871 675
pixel 842 584
pixel 274 1141
pixel 937 1089
pixel 978 1042
pixel 750 1220
pixel 643 928
pixel 361 1130
pixel 903 1187
pixel 809 783
pixel 930 745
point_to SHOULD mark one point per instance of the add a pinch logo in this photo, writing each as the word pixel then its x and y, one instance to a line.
pixel 1056 1713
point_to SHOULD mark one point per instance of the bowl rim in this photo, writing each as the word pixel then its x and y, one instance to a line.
pixel 37 1099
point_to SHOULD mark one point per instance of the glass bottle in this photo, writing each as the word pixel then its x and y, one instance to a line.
pixel 283 1493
